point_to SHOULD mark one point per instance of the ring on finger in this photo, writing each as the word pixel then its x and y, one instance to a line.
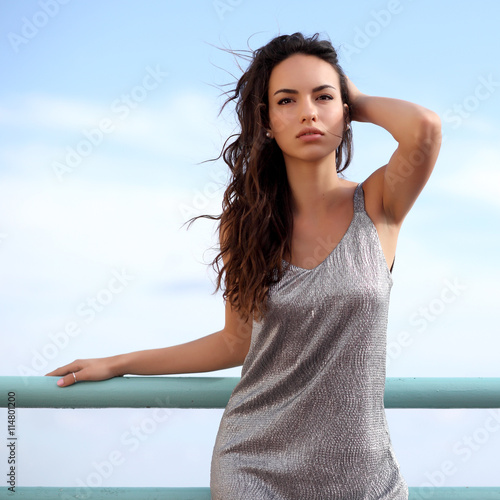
pixel 74 376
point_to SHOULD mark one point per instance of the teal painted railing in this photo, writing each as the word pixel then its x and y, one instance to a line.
pixel 214 392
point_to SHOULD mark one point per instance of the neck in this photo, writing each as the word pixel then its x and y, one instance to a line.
pixel 313 185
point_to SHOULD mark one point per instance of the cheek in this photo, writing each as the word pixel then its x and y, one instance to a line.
pixel 336 121
pixel 336 114
pixel 280 119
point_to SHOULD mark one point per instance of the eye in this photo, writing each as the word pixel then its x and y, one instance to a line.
pixel 323 97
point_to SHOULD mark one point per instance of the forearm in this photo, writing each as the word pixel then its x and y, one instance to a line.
pixel 201 355
pixel 405 121
pixel 418 133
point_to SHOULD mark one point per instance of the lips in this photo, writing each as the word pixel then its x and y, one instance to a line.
pixel 309 131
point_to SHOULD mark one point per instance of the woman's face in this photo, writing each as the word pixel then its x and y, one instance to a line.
pixel 304 91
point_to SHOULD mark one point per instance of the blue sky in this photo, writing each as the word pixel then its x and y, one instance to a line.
pixel 128 93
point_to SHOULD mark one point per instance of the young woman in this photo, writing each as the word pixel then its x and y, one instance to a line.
pixel 307 259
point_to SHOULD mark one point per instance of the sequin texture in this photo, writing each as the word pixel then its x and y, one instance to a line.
pixel 307 418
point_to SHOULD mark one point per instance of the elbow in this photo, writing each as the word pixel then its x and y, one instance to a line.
pixel 429 129
pixel 431 122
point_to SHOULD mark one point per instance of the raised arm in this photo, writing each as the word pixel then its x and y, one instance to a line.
pixel 418 133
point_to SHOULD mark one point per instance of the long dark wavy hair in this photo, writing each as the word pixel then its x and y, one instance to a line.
pixel 256 223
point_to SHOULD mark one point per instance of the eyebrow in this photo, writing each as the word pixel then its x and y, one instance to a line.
pixel 315 89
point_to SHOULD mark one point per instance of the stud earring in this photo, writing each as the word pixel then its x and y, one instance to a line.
pixel 268 134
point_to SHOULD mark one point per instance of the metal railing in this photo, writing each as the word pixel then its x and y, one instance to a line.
pixel 214 392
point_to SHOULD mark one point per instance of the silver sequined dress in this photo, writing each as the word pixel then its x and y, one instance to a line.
pixel 307 420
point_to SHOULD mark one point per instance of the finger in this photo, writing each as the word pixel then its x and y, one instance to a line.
pixel 59 371
pixel 67 372
pixel 70 379
pixel 66 369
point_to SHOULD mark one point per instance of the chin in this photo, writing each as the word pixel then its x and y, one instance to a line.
pixel 313 156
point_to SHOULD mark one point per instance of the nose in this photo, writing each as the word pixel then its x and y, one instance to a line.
pixel 308 111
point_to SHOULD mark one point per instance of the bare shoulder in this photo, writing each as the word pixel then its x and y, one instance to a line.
pixel 373 188
pixel 349 184
pixel 388 231
pixel 348 188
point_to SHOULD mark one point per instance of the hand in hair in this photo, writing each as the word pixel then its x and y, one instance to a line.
pixel 354 96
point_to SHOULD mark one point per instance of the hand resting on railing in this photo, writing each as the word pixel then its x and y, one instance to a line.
pixel 226 348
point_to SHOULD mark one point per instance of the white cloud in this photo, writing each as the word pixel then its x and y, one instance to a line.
pixel 186 124
pixel 45 110
pixel 124 225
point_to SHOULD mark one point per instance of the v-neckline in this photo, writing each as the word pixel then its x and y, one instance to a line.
pixel 289 264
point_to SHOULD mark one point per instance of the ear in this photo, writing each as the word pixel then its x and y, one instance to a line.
pixel 346 115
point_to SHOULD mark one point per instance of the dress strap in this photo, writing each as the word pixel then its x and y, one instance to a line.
pixel 359 198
